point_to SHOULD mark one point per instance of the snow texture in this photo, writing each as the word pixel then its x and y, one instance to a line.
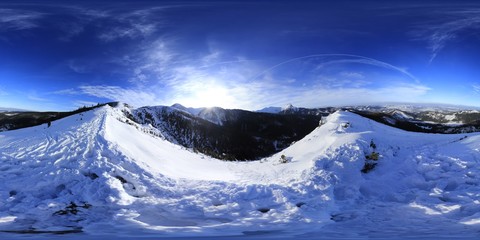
pixel 97 175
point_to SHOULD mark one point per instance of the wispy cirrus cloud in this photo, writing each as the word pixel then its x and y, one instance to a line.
pixel 18 19
pixel 320 96
pixel 114 23
pixel 153 61
pixel 476 88
pixel 159 71
pixel 110 24
pixel 77 21
pixel 254 96
pixel 78 66
pixel 448 26
pixel 350 74
pixel 322 62
pixel 133 96
pixel 68 91
pixel 34 96
pixel 238 85
pixel 133 24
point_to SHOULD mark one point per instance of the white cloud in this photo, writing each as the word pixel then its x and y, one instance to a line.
pixel 133 24
pixel 71 30
pixel 236 83
pixel 476 88
pixel 132 31
pixel 135 97
pixel 69 91
pixel 161 74
pixel 160 55
pixel 152 62
pixel 34 97
pixel 77 66
pixel 355 75
pixel 111 24
pixel 325 61
pixel 14 19
pixel 81 18
pixel 447 28
pixel 318 96
pixel 256 95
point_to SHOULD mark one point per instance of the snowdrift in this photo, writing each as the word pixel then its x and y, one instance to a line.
pixel 98 173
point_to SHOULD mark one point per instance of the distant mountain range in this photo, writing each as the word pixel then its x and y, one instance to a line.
pixel 5 109
pixel 234 134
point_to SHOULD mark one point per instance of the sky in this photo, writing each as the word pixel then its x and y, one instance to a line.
pixel 61 55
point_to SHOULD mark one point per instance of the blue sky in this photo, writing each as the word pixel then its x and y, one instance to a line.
pixel 59 55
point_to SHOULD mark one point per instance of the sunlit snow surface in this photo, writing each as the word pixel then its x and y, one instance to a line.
pixel 125 183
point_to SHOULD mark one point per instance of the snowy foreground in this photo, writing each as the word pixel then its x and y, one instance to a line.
pixel 96 175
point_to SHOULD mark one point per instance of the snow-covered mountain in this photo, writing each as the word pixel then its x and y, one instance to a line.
pixel 270 110
pixel 101 174
pixel 421 118
pixel 226 133
pixel 214 115
pixel 465 121
pixel 289 107
pixel 6 109
pixel 193 111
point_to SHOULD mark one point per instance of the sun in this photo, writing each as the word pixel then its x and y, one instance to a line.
pixel 210 95
pixel 214 96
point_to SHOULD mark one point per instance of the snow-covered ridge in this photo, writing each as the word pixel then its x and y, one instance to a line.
pixel 401 115
pixel 235 135
pixel 98 172
pixel 213 114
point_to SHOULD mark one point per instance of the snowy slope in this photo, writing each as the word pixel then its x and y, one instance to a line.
pixel 100 174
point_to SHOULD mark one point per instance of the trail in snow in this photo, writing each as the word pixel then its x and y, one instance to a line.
pixel 124 181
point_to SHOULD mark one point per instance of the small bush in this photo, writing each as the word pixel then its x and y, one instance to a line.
pixel 371 159
pixel 373 156
pixel 72 209
pixel 283 159
pixel 368 166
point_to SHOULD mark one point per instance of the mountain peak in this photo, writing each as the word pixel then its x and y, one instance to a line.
pixel 289 107
pixel 178 106
pixel 270 110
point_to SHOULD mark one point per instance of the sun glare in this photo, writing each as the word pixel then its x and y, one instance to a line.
pixel 211 95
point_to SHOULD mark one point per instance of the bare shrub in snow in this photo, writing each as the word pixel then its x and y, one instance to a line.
pixel 284 159
pixel 371 159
